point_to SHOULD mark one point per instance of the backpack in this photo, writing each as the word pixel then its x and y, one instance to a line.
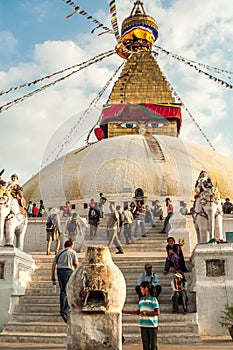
pixel 93 214
pixel 121 218
pixel 103 200
pixel 71 227
pixel 50 226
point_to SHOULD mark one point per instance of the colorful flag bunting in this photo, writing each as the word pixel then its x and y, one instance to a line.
pixel 4 92
pixel 78 9
pixel 113 13
pixel 83 65
pixel 196 64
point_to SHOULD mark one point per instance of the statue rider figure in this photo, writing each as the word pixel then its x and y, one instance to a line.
pixel 16 191
pixel 202 182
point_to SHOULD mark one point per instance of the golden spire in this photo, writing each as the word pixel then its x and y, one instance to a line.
pixel 139 32
pixel 141 82
pixel 138 8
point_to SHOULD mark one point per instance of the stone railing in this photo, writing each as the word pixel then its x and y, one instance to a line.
pixel 16 268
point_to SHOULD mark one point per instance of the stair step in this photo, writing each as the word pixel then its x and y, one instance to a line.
pixel 179 327
pixel 37 308
pixel 40 327
pixel 33 337
pixel 36 318
pixel 171 338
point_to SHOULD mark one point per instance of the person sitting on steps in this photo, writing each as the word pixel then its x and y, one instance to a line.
pixel 150 277
pixel 179 296
pixel 175 257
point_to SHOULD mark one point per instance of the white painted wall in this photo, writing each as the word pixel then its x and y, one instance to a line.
pixel 212 292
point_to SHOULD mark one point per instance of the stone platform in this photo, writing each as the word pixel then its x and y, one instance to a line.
pixel 219 343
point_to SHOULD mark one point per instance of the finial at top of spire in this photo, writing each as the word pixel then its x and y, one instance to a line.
pixel 138 8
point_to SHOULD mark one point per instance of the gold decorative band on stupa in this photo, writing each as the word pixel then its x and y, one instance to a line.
pixel 142 20
pixel 139 32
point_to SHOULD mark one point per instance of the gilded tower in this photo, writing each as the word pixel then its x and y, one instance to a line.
pixel 141 100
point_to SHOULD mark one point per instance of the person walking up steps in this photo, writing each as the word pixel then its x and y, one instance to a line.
pixel 66 260
pixel 170 211
pixel 102 201
pixel 73 227
pixel 113 229
pixel 53 229
pixel 93 219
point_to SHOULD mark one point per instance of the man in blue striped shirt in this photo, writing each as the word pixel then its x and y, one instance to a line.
pixel 148 310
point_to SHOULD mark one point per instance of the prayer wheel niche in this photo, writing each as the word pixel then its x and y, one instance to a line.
pixel 96 294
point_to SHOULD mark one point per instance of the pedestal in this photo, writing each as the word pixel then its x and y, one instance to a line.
pixel 15 271
pixel 182 228
pixel 213 284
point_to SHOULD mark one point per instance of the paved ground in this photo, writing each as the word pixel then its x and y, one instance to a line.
pixel 207 344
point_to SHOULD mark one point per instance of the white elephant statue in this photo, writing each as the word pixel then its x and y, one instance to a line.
pixel 12 223
pixel 208 215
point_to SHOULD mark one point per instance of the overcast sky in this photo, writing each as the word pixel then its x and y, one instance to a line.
pixel 37 39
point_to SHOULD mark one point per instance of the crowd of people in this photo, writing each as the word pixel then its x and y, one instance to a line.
pixel 121 223
pixel 124 223
pixel 34 211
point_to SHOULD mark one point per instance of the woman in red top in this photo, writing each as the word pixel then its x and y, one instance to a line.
pixel 67 209
pixel 34 210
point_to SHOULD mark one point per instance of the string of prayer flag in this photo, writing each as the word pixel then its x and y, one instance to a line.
pixel 36 81
pixel 113 13
pixel 195 66
pixel 22 98
pixel 78 9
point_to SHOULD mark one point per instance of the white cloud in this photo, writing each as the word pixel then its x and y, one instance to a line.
pixel 8 43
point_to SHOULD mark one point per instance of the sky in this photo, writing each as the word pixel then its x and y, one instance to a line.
pixel 36 40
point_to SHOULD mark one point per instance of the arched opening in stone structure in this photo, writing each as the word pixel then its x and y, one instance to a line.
pixel 95 298
pixel 139 193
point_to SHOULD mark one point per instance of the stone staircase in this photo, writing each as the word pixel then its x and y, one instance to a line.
pixel 36 318
pixel 155 148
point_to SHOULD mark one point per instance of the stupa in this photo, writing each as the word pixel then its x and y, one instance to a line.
pixel 139 144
